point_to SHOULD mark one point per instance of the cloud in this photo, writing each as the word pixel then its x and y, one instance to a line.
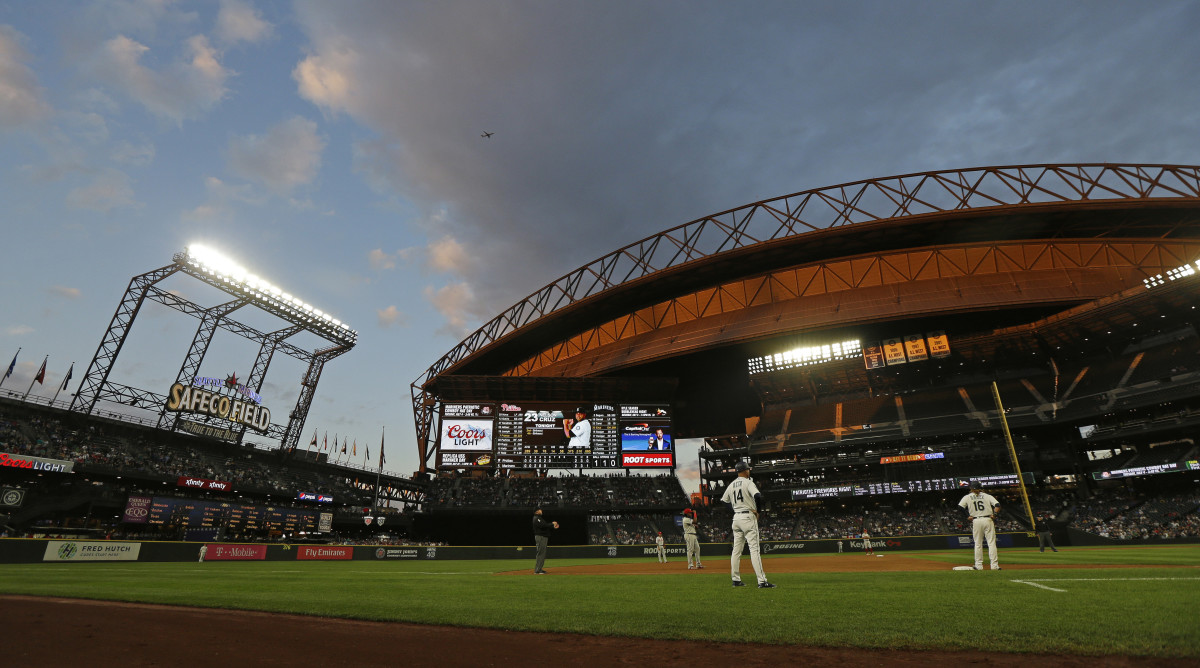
pixel 239 22
pixel 182 90
pixel 125 153
pixel 287 156
pixel 18 330
pixel 391 316
pixel 457 304
pixel 109 190
pixel 447 255
pixel 380 260
pixel 22 99
pixel 63 291
pixel 219 204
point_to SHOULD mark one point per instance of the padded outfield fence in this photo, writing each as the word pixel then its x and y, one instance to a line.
pixel 35 550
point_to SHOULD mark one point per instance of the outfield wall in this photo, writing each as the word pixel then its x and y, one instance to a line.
pixel 37 550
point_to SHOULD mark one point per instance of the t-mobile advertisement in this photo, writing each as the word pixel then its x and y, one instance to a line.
pixel 224 552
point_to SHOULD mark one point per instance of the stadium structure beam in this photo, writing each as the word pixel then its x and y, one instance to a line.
pixel 1000 188
pixel 96 376
pixel 199 348
pixel 246 289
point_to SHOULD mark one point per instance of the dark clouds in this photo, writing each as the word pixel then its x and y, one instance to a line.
pixel 617 120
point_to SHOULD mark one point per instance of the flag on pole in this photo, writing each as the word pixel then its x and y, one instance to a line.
pixel 13 364
pixel 325 442
pixel 313 443
pixel 354 449
pixel 344 445
pixel 68 378
pixel 41 374
pixel 382 459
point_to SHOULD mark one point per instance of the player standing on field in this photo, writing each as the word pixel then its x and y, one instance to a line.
pixel 541 538
pixel 866 539
pixel 982 508
pixel 662 550
pixel 689 537
pixel 743 496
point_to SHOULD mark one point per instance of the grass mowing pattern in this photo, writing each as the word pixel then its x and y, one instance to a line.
pixel 1102 611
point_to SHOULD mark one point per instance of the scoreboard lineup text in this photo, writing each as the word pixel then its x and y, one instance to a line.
pixel 544 435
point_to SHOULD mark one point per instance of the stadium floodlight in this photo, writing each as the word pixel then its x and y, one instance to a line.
pixel 806 356
pixel 236 279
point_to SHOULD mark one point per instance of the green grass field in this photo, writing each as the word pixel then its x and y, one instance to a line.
pixel 1110 609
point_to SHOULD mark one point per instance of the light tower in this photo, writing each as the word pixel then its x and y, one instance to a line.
pixel 211 267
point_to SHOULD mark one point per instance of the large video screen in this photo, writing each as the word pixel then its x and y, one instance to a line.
pixel 555 435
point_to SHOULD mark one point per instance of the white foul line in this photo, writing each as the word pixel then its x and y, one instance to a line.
pixel 1034 583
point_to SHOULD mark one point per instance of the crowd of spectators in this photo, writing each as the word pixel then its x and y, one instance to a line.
pixel 116 450
pixel 590 492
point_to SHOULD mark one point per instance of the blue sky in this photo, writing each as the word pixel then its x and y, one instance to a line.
pixel 334 149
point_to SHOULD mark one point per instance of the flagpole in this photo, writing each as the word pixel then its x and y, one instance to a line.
pixel 35 378
pixel 64 383
pixel 11 364
pixel 379 472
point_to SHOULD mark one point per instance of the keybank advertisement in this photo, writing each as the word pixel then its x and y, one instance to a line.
pixel 81 550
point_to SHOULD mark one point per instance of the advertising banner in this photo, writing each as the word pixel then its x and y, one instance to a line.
pixel 397 553
pixel 35 463
pixel 323 552
pixel 83 550
pixel 325 524
pixel 648 459
pixel 226 552
pixel 137 509
pixel 204 483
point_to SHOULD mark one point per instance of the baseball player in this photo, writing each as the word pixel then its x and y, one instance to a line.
pixel 743 496
pixel 541 538
pixel 689 537
pixel 662 549
pixel 982 508
pixel 203 551
pixel 866 538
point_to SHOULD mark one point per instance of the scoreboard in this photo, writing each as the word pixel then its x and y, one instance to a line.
pixel 909 486
pixel 548 435
pixel 200 514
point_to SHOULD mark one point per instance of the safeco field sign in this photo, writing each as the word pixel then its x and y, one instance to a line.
pixel 78 550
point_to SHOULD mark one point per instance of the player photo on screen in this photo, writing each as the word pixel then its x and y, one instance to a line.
pixel 639 437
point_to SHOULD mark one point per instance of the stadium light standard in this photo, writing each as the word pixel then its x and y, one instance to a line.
pixel 220 271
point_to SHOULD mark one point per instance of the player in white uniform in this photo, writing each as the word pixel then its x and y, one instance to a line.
pixel 982 507
pixel 579 430
pixel 689 537
pixel 661 548
pixel 866 539
pixel 744 497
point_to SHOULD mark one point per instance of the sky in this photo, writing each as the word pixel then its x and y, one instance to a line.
pixel 335 150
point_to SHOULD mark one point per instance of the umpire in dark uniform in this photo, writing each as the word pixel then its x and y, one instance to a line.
pixel 541 537
pixel 1044 527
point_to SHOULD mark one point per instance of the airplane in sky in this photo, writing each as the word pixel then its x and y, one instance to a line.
pixel 486 134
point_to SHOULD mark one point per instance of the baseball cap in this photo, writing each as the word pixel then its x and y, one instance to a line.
pixel 581 409
pixel 975 484
pixel 741 466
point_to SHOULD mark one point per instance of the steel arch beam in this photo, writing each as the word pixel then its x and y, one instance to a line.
pixel 868 201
